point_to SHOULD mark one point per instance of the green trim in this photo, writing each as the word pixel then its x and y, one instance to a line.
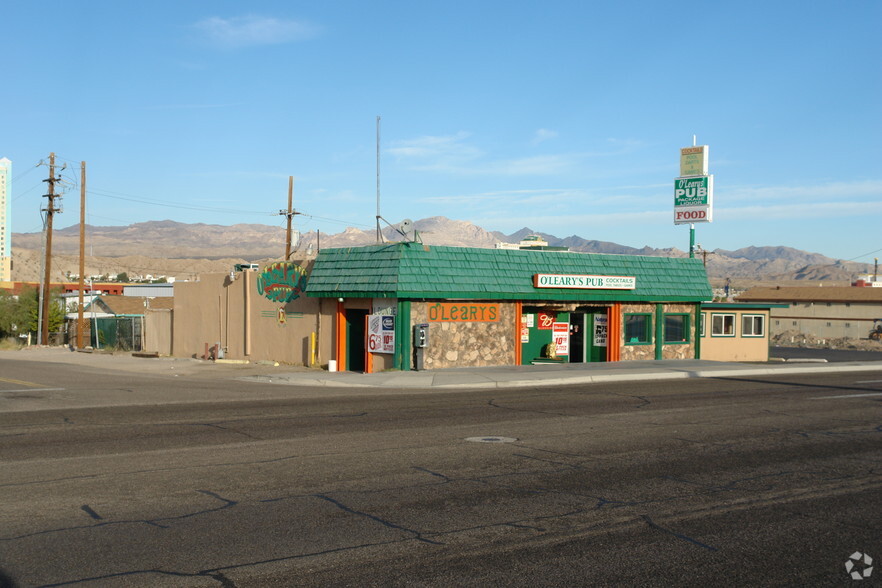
pixel 402 336
pixel 734 326
pixel 697 327
pixel 686 325
pixel 647 330
pixel 741 306
pixel 659 331
pixel 762 316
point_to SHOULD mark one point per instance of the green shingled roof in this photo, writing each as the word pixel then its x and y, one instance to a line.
pixel 415 271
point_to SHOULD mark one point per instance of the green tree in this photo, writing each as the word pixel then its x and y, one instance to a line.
pixel 29 301
pixel 122 277
pixel 13 317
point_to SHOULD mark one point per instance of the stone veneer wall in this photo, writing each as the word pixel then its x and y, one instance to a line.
pixel 674 351
pixel 468 344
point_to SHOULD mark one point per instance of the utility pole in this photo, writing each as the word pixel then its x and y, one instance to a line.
pixel 290 214
pixel 80 320
pixel 704 253
pixel 50 211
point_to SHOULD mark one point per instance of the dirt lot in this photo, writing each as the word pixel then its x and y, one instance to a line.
pixel 797 339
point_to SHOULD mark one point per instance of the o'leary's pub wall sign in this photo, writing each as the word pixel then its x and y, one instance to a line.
pixel 463 312
pixel 584 282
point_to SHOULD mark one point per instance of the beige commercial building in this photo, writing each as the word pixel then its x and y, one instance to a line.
pixel 820 311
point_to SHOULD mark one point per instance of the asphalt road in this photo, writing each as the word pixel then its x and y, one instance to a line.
pixel 830 355
pixel 764 481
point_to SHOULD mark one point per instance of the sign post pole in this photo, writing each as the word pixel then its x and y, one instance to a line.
pixel 692 241
pixel 693 191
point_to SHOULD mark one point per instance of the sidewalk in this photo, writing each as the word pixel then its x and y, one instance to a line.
pixel 552 375
pixel 486 377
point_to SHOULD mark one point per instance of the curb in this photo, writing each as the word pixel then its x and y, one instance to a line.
pixel 405 381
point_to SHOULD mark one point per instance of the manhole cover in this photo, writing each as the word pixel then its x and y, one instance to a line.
pixel 491 439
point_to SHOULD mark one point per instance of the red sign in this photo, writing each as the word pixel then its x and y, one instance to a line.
pixel 562 338
pixel 545 321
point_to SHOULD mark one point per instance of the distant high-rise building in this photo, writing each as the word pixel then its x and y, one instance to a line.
pixel 5 220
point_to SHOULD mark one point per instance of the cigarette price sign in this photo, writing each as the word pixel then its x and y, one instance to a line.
pixel 381 334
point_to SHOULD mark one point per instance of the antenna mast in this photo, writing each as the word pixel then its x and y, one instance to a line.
pixel 379 233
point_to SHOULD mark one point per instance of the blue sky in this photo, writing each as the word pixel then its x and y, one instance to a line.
pixel 566 117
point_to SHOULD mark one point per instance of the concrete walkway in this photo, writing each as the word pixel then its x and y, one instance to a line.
pixel 489 377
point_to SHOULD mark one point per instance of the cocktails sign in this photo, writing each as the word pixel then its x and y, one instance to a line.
pixel 585 282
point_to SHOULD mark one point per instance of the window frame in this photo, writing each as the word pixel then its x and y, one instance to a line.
pixel 762 318
pixel 686 340
pixel 648 329
pixel 723 315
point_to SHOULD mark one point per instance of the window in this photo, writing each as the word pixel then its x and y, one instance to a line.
pixel 676 328
pixel 701 323
pixel 638 329
pixel 722 325
pixel 753 325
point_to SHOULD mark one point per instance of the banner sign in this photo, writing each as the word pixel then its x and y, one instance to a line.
pixel 525 329
pixel 600 330
pixel 693 161
pixel 584 282
pixel 560 333
pixel 381 333
pixel 546 320
pixel 693 200
pixel 463 312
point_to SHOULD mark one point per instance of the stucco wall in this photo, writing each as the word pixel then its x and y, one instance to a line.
pixel 736 348
pixel 158 331
pixel 248 326
pixel 468 344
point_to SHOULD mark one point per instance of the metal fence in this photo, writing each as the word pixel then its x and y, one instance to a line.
pixel 122 333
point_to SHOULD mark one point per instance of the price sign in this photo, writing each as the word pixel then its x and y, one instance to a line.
pixel 561 336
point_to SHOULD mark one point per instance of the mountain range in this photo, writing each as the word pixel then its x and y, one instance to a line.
pixel 168 248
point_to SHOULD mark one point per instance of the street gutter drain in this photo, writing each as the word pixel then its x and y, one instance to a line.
pixel 491 439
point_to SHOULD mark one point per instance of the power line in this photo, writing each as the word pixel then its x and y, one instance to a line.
pixel 116 196
pixel 864 255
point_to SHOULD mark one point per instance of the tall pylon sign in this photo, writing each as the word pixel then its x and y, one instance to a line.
pixel 5 220
pixel 694 189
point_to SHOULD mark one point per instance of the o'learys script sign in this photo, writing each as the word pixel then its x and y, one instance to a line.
pixel 584 282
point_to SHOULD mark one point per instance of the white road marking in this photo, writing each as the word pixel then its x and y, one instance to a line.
pixel 848 396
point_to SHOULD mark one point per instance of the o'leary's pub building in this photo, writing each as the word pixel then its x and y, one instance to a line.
pixel 412 306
